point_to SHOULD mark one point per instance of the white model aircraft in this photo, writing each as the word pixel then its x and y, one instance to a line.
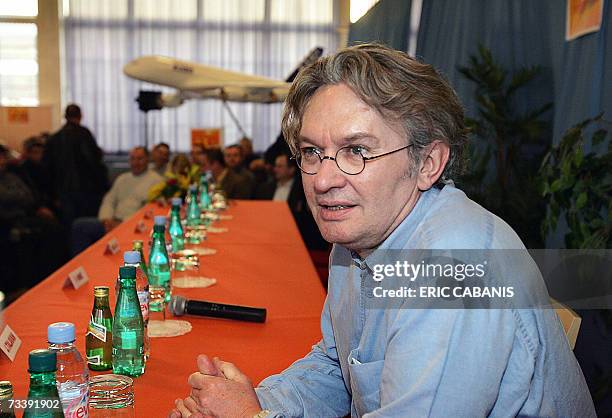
pixel 196 81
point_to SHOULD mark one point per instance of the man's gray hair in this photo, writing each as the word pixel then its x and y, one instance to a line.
pixel 402 89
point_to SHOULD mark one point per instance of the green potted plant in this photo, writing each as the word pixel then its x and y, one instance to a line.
pixel 506 146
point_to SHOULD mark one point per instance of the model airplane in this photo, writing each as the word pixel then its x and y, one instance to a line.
pixel 196 81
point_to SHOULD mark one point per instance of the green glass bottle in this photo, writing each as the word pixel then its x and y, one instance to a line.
pixel 193 209
pixel 43 398
pixel 176 229
pixel 99 338
pixel 137 246
pixel 128 327
pixel 159 267
pixel 205 202
pixel 6 398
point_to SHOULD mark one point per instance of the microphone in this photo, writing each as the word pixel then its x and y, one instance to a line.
pixel 180 306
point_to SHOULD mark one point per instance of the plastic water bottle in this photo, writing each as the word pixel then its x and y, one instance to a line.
pixel 132 258
pixel 72 375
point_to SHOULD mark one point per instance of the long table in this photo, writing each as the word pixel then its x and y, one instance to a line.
pixel 261 261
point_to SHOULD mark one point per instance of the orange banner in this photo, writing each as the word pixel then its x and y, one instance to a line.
pixel 208 138
pixel 18 115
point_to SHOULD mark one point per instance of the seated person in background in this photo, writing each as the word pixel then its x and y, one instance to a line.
pixel 287 187
pixel 176 180
pixel 128 194
pixel 248 156
pixel 233 185
pixel 33 173
pixel 197 155
pixel 160 156
pixel 377 136
pixel 234 160
pixel 30 237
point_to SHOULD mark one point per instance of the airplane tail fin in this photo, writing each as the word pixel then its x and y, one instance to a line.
pixel 310 58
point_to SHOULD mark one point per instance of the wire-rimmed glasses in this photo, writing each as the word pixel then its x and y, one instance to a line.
pixel 349 159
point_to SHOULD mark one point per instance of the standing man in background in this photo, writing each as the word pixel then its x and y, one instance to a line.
pixel 77 173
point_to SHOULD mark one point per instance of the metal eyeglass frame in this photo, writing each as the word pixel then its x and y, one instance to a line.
pixel 335 159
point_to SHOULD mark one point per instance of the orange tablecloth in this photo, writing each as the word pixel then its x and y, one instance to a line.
pixel 261 261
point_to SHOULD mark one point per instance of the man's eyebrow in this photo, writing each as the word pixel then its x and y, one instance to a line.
pixel 347 139
pixel 303 138
pixel 360 135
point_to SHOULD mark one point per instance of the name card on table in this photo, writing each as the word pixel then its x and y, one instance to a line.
pixel 9 343
pixel 140 227
pixel 112 247
pixel 76 278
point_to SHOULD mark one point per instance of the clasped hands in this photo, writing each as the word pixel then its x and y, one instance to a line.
pixel 218 389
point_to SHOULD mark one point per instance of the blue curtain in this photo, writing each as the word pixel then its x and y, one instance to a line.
pixel 516 32
pixel 580 68
pixel 522 33
pixel 388 22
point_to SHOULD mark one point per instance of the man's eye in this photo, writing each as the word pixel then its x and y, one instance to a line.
pixel 357 150
pixel 309 152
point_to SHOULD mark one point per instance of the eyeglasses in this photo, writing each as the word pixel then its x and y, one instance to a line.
pixel 349 159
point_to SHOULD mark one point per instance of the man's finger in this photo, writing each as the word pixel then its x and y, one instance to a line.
pixel 184 412
pixel 175 413
pixel 230 371
pixel 206 366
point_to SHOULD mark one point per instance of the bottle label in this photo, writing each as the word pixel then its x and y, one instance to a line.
pixel 97 330
pixel 95 360
pixel 77 408
pixel 143 299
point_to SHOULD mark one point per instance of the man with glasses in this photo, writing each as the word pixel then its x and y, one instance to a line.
pixel 378 136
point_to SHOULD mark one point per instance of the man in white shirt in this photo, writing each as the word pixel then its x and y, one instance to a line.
pixel 285 177
pixel 287 188
pixel 126 197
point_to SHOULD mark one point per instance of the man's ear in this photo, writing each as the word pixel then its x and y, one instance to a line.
pixel 433 163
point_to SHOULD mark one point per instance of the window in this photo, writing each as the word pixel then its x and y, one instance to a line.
pixel 20 8
pixel 18 64
pixel 259 37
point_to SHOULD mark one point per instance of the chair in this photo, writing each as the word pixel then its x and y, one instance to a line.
pixel 570 321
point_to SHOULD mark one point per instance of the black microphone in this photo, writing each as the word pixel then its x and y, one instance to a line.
pixel 180 306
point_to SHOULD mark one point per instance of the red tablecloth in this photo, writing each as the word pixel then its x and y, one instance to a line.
pixel 261 261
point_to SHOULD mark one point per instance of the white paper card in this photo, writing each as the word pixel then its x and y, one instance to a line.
pixel 140 227
pixel 112 247
pixel 77 278
pixel 9 343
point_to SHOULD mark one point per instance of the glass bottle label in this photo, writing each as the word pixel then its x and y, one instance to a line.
pixel 97 330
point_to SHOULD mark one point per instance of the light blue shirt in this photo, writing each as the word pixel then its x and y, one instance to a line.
pixel 430 362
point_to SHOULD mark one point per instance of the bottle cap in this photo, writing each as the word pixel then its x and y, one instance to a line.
pixel 177 201
pixel 6 389
pixel 193 187
pixel 159 220
pixel 42 361
pixel 127 272
pixel 60 333
pixel 101 291
pixel 131 257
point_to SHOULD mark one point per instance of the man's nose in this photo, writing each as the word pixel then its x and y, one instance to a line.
pixel 328 176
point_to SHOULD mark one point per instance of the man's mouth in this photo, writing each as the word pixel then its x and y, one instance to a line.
pixel 335 211
pixel 336 207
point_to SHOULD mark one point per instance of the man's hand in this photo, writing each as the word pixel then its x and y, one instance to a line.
pixel 219 389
